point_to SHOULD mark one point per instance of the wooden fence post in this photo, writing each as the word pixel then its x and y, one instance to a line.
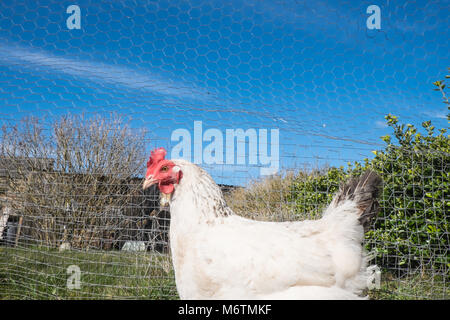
pixel 18 231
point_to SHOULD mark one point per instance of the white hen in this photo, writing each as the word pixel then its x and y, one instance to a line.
pixel 219 255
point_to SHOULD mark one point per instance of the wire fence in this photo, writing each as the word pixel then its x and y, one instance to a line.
pixel 279 101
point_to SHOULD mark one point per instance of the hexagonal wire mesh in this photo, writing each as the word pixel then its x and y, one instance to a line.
pixel 88 91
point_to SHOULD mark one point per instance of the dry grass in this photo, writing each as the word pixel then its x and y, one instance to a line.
pixel 267 199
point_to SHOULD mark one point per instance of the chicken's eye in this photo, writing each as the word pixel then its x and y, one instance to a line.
pixel 164 169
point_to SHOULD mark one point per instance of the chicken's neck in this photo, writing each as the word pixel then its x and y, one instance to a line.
pixel 198 199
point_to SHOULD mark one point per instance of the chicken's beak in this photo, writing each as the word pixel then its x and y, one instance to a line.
pixel 149 181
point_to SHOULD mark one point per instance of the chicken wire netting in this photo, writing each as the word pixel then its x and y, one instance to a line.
pixel 280 101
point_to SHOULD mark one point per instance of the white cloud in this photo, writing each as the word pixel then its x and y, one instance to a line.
pixel 436 114
pixel 380 124
pixel 100 72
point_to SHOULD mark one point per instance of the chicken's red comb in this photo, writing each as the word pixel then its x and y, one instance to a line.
pixel 156 156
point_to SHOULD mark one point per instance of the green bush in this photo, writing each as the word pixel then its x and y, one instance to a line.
pixel 412 228
pixel 311 193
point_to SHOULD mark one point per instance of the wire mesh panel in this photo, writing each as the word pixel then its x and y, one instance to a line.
pixel 280 101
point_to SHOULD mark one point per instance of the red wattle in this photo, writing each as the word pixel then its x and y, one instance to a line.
pixel 166 188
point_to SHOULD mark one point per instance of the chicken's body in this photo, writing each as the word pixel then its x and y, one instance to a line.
pixel 236 258
pixel 219 255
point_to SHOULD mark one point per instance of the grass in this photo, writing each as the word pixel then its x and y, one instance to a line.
pixel 412 287
pixel 41 273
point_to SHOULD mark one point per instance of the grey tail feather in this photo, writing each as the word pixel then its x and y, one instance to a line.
pixel 364 191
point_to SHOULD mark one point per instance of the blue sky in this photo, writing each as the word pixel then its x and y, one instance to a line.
pixel 310 69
